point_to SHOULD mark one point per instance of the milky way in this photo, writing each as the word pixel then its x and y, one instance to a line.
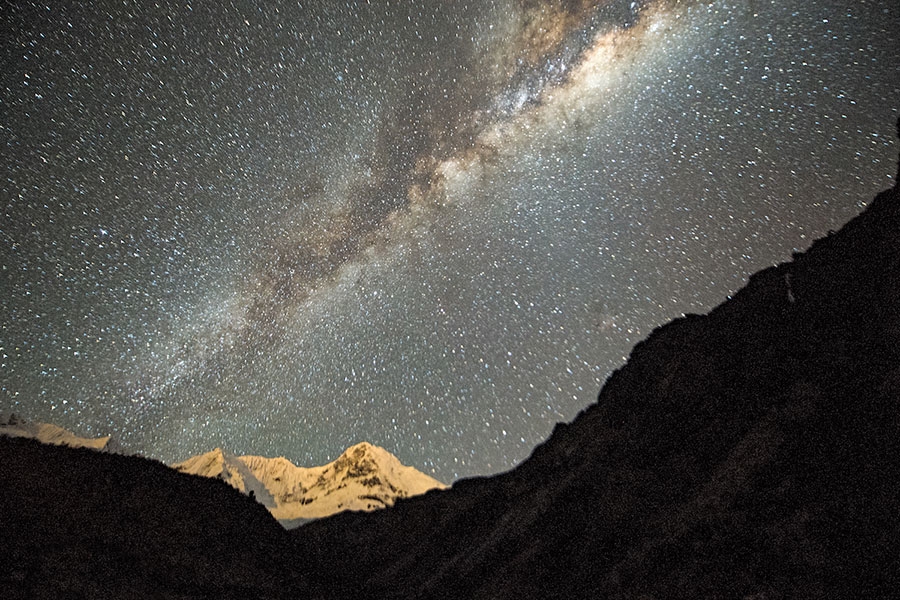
pixel 284 228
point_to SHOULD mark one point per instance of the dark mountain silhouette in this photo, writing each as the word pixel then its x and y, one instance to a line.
pixel 77 523
pixel 748 453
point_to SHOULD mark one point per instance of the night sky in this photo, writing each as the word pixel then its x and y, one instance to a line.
pixel 283 228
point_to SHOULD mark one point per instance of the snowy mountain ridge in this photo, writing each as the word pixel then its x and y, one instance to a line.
pixel 51 434
pixel 364 478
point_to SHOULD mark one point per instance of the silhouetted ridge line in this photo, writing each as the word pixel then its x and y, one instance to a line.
pixel 80 523
pixel 744 453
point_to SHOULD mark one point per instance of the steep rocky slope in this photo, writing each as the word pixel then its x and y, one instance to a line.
pixel 750 452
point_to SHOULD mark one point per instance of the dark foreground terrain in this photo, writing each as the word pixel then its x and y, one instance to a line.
pixel 748 453
pixel 77 523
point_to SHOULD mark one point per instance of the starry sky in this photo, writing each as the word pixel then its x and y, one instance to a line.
pixel 285 227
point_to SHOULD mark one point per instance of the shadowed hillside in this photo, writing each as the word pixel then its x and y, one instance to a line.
pixel 747 453
pixel 77 523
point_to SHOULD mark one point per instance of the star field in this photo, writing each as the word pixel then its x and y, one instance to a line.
pixel 282 228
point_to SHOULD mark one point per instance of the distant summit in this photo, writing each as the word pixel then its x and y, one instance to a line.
pixel 364 478
pixel 52 434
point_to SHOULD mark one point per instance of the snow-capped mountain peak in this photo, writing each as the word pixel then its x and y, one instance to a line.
pixel 230 468
pixel 363 477
pixel 51 434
